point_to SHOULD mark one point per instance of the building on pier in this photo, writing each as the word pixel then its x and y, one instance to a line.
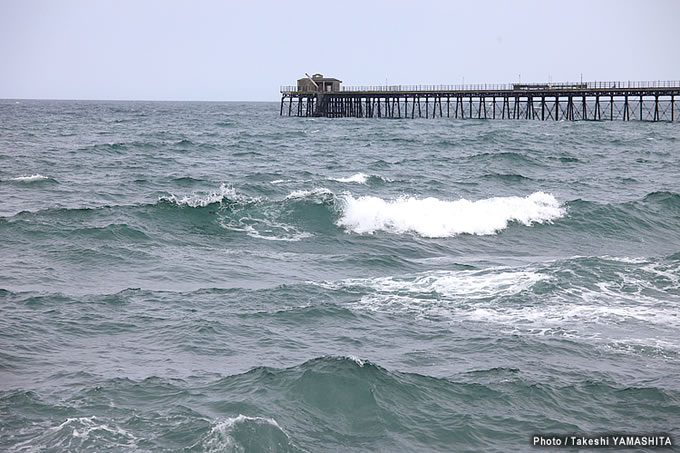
pixel 318 82
pixel 645 101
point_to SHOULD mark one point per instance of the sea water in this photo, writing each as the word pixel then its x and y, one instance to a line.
pixel 203 277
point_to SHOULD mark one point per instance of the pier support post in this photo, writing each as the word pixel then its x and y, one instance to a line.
pixel 570 108
pixel 672 108
pixel 656 108
pixel 530 104
pixel 640 107
pixel 557 108
pixel 542 108
pixel 584 115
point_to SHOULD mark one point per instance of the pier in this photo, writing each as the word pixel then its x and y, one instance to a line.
pixel 318 96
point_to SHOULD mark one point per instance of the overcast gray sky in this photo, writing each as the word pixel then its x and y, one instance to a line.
pixel 228 50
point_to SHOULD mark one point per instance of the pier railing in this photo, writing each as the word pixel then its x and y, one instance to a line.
pixel 495 87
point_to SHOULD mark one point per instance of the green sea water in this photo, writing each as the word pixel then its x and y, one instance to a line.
pixel 211 277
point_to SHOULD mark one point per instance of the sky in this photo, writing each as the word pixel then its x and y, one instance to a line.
pixel 210 50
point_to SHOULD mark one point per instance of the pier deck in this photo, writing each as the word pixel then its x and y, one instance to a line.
pixel 647 101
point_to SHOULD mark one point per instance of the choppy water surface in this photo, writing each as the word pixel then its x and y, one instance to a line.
pixel 212 277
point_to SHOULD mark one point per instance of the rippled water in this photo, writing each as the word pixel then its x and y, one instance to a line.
pixel 213 277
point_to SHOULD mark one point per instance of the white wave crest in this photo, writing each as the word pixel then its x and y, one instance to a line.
pixel 431 217
pixel 35 177
pixel 258 433
pixel 198 200
pixel 357 360
pixel 319 191
pixel 230 422
pixel 359 178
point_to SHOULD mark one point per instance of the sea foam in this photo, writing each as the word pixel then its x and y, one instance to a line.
pixel 431 217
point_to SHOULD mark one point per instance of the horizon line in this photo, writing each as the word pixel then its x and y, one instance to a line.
pixel 128 100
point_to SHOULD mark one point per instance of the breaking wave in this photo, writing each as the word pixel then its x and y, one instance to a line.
pixel 319 211
pixel 431 217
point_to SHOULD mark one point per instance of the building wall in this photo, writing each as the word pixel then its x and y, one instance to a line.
pixel 307 85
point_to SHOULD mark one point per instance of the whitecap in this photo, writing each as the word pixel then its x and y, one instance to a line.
pixel 359 361
pixel 259 433
pixel 32 178
pixel 359 178
pixel 308 193
pixel 431 217
pixel 199 200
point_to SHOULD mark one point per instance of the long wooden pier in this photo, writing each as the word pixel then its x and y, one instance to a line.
pixel 593 101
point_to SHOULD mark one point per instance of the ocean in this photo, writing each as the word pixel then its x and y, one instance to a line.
pixel 212 277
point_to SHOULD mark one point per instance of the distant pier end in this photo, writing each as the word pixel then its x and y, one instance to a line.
pixel 321 96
